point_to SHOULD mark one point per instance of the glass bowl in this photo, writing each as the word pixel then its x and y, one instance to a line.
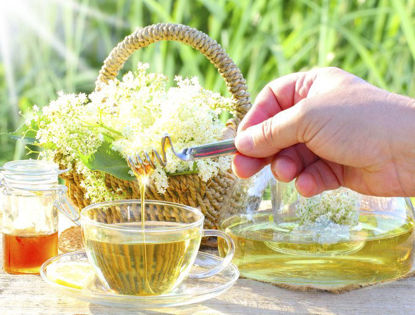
pixel 335 239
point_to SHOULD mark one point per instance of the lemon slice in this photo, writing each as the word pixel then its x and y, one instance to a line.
pixel 71 274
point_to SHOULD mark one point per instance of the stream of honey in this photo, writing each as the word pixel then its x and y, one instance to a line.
pixel 142 182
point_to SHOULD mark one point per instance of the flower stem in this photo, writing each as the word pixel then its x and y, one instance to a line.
pixel 111 130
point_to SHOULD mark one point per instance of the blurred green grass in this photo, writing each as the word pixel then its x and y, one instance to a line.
pixel 60 45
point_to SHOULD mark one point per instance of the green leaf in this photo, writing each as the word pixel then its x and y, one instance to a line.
pixel 108 161
pixel 194 170
pixel 26 132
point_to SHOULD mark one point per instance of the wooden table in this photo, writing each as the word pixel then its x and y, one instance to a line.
pixel 30 295
pixel 27 294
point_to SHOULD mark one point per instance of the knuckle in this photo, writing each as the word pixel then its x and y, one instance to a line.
pixel 334 70
pixel 267 132
pixel 303 111
pixel 304 117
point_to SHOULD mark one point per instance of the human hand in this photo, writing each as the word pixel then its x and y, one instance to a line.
pixel 328 128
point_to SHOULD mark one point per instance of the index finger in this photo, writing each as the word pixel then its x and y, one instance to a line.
pixel 276 96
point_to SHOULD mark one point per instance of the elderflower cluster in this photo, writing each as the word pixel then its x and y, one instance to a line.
pixel 328 217
pixel 63 127
pixel 134 113
pixel 339 206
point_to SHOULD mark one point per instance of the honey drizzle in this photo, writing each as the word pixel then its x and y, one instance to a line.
pixel 142 182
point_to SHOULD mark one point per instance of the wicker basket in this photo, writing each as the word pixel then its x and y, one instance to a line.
pixel 210 197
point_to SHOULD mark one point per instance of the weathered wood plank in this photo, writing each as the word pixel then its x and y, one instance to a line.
pixel 30 295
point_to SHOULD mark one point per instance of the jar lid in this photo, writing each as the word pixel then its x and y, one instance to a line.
pixel 32 167
pixel 23 173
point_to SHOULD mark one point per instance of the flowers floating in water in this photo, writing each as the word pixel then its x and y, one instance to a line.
pixel 329 216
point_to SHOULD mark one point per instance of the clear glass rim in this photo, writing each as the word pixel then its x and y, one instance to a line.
pixel 32 168
pixel 303 236
pixel 109 226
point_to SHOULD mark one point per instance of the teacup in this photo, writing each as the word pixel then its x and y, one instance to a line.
pixel 146 257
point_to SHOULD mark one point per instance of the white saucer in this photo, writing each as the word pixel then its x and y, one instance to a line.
pixel 188 292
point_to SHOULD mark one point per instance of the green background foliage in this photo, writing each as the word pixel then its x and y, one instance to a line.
pixel 53 45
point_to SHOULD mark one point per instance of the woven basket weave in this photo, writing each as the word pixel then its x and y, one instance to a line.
pixel 210 197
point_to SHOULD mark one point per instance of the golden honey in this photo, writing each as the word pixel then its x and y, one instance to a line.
pixel 26 253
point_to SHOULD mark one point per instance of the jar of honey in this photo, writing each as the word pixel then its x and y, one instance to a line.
pixel 30 199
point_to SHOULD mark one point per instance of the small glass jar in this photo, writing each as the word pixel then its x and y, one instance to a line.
pixel 335 239
pixel 30 199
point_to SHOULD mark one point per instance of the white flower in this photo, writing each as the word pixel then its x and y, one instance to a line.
pixel 134 113
pixel 329 217
pixel 339 206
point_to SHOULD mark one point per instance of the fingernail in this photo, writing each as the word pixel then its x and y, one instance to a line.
pixel 235 170
pixel 244 142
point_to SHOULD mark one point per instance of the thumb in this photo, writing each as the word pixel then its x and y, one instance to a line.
pixel 272 135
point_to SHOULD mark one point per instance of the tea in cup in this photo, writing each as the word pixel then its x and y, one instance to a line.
pixel 145 256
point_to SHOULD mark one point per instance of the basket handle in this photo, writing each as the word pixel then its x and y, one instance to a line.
pixel 143 37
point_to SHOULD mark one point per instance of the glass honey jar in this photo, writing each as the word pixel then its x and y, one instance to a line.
pixel 30 200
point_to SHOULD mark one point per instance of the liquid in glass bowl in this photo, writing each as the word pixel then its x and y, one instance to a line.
pixel 275 246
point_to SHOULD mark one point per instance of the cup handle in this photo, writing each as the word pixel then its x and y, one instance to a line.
pixel 225 262
pixel 65 207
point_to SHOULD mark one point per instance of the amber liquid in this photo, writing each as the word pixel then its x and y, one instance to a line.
pixel 25 254
pixel 381 250
pixel 149 266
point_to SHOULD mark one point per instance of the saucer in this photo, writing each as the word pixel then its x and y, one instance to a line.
pixel 188 292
